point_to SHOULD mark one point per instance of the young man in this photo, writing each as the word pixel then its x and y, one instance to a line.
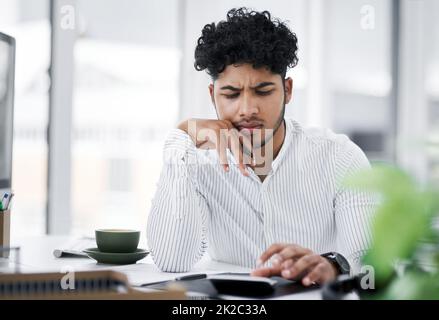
pixel 284 210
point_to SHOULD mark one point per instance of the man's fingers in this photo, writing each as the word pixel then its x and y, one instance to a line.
pixel 247 149
pixel 206 139
pixel 266 272
pixel 318 275
pixel 301 266
pixel 228 124
pixel 274 248
pixel 237 150
pixel 287 264
pixel 293 252
pixel 221 148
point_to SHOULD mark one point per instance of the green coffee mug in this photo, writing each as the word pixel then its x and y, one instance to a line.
pixel 117 240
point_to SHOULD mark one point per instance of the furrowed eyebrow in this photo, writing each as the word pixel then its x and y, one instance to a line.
pixel 263 85
pixel 230 88
pixel 258 86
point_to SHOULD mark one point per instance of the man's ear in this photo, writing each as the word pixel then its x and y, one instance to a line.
pixel 211 92
pixel 288 84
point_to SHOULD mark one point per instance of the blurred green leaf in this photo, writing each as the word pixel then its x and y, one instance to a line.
pixel 398 226
pixel 402 218
pixel 414 286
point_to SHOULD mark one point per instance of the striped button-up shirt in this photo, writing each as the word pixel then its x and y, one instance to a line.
pixel 198 206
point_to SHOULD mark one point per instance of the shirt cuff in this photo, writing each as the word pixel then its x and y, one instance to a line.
pixel 179 147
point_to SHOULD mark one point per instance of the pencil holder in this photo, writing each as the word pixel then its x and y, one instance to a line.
pixel 5 233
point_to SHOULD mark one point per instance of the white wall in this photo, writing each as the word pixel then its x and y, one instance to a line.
pixel 132 20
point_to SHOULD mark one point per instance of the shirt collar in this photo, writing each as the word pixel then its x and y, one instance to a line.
pixel 289 129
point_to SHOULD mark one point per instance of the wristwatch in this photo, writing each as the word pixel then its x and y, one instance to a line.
pixel 338 261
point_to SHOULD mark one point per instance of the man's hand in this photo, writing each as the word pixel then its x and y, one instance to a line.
pixel 221 135
pixel 294 262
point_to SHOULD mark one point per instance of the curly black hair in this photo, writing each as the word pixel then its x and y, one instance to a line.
pixel 246 36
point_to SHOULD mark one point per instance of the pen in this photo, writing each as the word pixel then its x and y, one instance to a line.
pixel 4 201
pixel 4 196
pixel 188 277
pixel 9 202
pixel 192 277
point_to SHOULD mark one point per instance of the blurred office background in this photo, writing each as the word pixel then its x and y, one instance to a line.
pixel 87 149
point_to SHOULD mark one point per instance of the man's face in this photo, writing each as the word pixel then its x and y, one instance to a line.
pixel 251 98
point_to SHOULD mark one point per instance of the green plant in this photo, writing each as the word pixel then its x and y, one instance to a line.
pixel 402 224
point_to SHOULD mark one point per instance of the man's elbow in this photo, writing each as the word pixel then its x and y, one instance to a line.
pixel 172 252
pixel 170 263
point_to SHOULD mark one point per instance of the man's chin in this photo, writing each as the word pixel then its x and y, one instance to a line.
pixel 261 136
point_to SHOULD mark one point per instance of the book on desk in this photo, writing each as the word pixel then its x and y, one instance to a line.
pixel 85 285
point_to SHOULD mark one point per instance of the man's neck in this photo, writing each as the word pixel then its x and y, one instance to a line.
pixel 276 144
pixel 278 139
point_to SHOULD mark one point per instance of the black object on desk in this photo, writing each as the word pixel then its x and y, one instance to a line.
pixel 345 284
pixel 214 287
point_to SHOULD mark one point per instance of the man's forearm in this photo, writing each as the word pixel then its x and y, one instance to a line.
pixel 176 224
pixel 175 238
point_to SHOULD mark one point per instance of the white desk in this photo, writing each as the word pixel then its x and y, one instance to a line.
pixel 36 255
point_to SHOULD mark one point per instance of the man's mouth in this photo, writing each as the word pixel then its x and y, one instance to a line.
pixel 249 127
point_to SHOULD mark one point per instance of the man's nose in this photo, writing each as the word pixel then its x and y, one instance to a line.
pixel 247 106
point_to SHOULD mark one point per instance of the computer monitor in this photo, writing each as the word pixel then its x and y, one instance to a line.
pixel 7 75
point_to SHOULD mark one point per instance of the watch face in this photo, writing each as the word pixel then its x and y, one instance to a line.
pixel 339 261
pixel 342 262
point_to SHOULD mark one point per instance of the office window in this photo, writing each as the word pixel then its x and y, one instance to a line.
pixel 28 22
pixel 358 52
pixel 125 101
pixel 119 175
